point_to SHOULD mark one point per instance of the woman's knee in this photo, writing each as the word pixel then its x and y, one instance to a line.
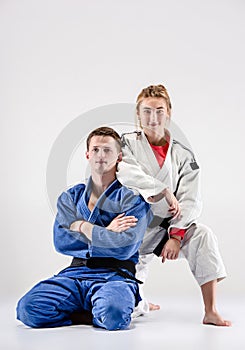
pixel 207 236
pixel 201 233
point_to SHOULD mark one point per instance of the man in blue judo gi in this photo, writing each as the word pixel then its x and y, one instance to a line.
pixel 101 225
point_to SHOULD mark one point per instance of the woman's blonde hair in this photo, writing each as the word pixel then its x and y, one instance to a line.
pixel 158 91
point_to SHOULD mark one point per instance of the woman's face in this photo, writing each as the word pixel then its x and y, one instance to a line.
pixel 153 115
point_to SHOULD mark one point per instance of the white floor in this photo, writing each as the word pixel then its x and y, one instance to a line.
pixel 176 326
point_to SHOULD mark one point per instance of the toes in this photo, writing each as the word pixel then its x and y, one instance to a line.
pixel 154 307
pixel 218 322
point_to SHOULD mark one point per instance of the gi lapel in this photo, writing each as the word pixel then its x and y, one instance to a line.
pixel 163 174
pixel 92 216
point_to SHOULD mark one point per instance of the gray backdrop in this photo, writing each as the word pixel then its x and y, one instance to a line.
pixel 61 59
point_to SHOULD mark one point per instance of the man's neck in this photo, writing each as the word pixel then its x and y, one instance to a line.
pixel 101 182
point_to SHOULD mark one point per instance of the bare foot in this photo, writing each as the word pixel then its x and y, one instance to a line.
pixel 154 307
pixel 215 319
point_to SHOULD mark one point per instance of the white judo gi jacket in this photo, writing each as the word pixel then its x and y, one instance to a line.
pixel 180 173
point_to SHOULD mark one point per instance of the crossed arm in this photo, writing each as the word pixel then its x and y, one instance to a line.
pixel 119 224
pixel 119 237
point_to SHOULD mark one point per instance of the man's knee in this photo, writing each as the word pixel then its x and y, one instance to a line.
pixel 112 309
pixel 112 318
pixel 28 313
pixel 36 312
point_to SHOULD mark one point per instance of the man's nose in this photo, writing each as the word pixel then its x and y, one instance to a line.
pixel 102 153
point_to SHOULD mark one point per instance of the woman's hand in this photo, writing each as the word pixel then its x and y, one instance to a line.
pixel 174 207
pixel 171 249
pixel 121 223
pixel 170 198
pixel 156 198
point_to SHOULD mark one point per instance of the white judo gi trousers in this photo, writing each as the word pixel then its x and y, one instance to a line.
pixel 200 248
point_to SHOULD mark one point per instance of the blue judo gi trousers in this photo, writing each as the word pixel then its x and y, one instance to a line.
pixel 110 298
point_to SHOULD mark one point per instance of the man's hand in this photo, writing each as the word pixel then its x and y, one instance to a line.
pixel 121 223
pixel 171 249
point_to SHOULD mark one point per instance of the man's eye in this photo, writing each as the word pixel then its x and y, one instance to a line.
pixel 147 111
pixel 95 149
pixel 106 150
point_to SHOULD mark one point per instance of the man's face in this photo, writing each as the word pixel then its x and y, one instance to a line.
pixel 103 154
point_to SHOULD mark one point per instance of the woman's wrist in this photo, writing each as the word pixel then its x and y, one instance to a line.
pixel 177 238
pixel 165 191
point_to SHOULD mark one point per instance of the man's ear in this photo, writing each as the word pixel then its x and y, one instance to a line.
pixel 119 158
pixel 87 155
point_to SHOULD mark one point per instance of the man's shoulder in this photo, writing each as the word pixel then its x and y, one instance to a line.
pixel 130 195
pixel 131 200
pixel 129 191
pixel 75 192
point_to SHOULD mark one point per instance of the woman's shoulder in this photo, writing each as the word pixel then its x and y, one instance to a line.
pixel 184 153
pixel 181 147
pixel 133 135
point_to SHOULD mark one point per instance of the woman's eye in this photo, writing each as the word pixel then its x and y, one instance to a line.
pixel 160 112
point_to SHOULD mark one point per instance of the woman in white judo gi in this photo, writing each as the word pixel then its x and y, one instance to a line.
pixel 166 174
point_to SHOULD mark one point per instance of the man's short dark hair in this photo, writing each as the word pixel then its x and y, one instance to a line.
pixel 105 131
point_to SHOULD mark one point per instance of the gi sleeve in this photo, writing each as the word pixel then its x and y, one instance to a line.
pixel 131 174
pixel 188 192
pixel 125 244
pixel 66 241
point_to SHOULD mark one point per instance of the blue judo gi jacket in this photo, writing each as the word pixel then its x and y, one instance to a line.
pixel 117 199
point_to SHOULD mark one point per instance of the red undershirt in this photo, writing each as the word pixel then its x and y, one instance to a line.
pixel 160 154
